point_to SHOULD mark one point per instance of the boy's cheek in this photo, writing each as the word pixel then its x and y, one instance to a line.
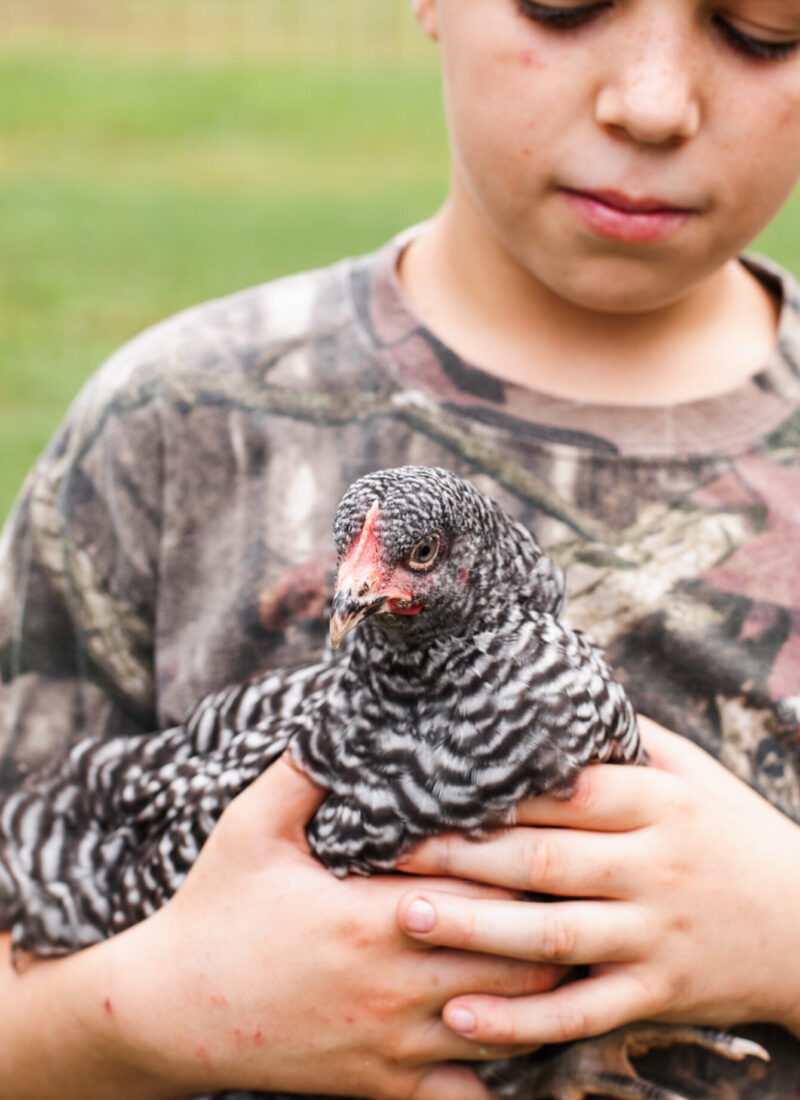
pixel 784 106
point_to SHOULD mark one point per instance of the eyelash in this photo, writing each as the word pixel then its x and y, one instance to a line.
pixel 564 19
pixel 754 47
pixel 560 18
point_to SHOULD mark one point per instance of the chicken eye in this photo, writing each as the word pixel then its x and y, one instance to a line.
pixel 424 553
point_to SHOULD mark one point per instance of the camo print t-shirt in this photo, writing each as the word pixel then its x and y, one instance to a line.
pixel 175 536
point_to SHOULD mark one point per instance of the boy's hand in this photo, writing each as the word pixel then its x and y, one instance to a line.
pixel 266 972
pixel 688 902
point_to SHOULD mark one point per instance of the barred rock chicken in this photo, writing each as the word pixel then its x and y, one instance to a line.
pixel 460 693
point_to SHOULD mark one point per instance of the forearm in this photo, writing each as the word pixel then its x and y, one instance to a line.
pixel 61 1036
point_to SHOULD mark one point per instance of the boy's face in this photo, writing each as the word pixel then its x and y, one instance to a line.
pixel 619 151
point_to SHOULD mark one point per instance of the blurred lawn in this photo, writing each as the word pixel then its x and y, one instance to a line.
pixel 132 185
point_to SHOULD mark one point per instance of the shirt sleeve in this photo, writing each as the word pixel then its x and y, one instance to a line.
pixel 78 572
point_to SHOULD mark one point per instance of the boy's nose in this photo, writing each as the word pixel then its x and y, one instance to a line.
pixel 651 91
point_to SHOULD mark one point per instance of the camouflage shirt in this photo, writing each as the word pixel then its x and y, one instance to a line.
pixel 176 535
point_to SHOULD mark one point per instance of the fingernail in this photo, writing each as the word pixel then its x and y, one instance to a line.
pixel 460 1019
pixel 420 916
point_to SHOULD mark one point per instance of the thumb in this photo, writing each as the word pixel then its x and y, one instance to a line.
pixel 283 799
pixel 449 1082
pixel 670 751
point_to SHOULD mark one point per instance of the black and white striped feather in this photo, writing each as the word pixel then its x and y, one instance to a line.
pixel 419 724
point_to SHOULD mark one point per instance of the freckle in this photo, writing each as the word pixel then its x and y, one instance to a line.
pixel 107 1005
pixel 526 152
pixel 530 59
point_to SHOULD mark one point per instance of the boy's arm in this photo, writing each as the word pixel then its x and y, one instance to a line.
pixel 262 972
pixel 693 902
pixel 54 1043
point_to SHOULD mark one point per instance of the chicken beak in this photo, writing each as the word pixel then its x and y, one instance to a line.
pixel 362 585
pixel 348 611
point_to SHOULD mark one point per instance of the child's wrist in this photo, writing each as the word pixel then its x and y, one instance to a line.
pixel 81 1051
pixel 145 1016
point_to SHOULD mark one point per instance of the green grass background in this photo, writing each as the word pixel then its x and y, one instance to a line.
pixel 137 182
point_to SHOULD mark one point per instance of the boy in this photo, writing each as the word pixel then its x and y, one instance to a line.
pixel 636 402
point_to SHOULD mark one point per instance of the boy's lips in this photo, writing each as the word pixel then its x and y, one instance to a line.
pixel 625 218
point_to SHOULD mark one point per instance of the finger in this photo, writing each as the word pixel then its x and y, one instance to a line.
pixel 606 798
pixel 283 798
pixel 447 1083
pixel 681 762
pixel 569 932
pixel 439 1043
pixel 463 887
pixel 672 753
pixel 577 1010
pixel 565 862
pixel 453 972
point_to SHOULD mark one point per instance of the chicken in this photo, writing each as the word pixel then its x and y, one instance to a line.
pixel 451 691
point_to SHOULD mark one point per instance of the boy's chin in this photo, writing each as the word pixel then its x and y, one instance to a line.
pixel 624 287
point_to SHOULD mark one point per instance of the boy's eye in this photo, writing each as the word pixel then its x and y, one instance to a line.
pixel 560 17
pixel 565 16
pixel 759 48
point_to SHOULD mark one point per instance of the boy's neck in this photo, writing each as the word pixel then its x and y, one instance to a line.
pixel 497 316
